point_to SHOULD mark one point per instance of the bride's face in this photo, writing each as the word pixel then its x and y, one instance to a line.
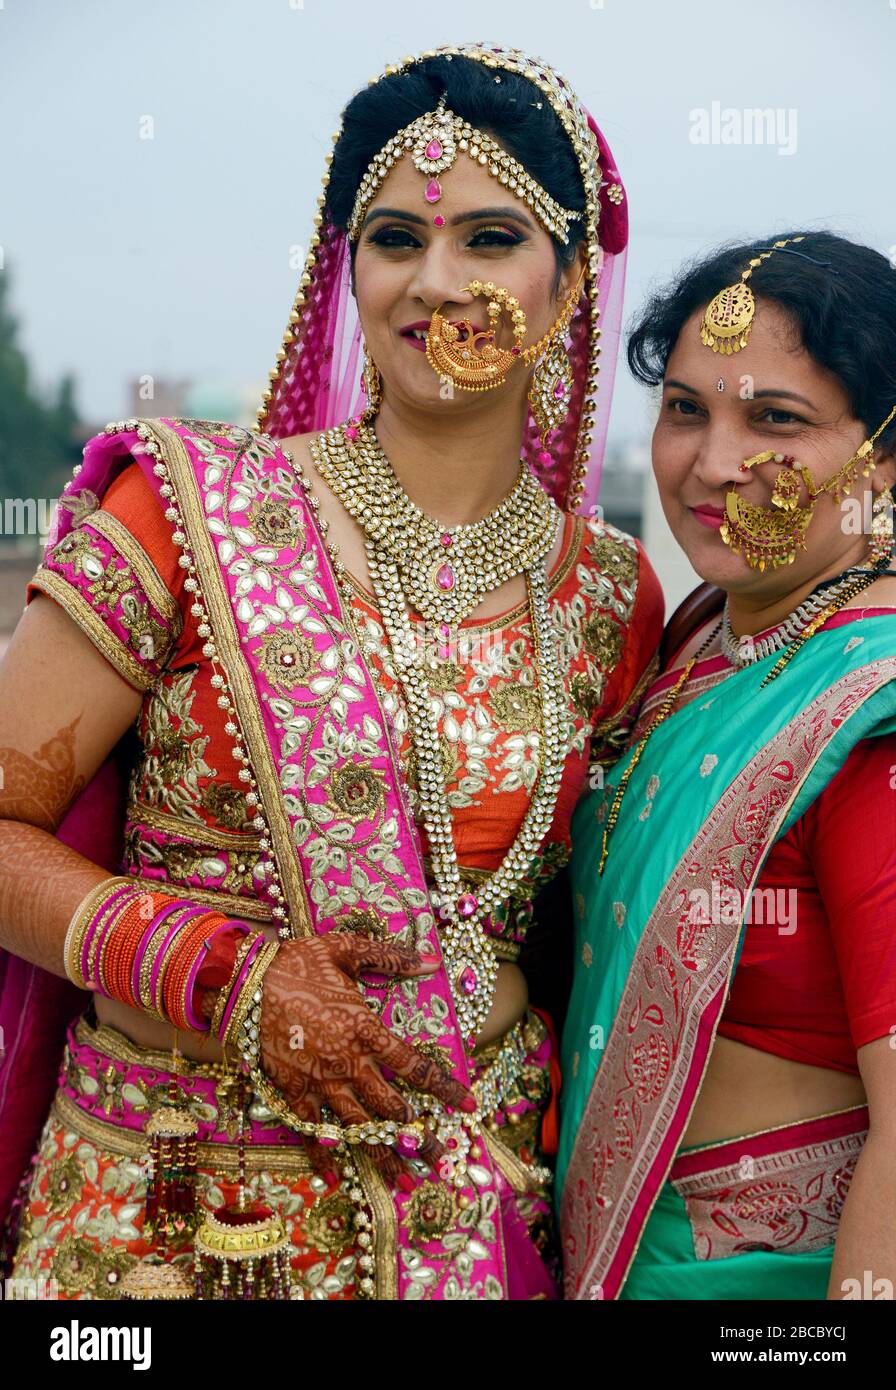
pixel 406 267
pixel 776 397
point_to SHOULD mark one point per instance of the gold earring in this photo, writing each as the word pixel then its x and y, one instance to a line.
pixel 882 539
pixel 372 383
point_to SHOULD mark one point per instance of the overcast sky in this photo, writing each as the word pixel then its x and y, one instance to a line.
pixel 170 256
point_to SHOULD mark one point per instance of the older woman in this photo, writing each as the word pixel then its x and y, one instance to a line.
pixel 365 656
pixel 729 1109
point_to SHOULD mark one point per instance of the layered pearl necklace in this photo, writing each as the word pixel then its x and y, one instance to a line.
pixel 516 537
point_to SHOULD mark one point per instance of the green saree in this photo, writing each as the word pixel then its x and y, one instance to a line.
pixel 721 779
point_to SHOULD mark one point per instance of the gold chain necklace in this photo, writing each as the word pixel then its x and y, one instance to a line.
pixel 469 956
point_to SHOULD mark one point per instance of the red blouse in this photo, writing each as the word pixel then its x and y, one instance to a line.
pixel 820 981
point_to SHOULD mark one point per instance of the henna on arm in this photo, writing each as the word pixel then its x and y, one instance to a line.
pixel 311 987
pixel 62 710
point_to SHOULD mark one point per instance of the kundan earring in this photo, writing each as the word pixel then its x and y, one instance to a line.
pixel 882 538
pixel 372 384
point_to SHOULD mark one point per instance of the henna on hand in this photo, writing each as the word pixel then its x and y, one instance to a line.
pixel 319 1036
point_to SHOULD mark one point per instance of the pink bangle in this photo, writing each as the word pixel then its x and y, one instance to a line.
pixel 195 1021
pixel 261 940
pixel 181 919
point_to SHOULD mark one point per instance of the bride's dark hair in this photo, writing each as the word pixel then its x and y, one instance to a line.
pixel 508 110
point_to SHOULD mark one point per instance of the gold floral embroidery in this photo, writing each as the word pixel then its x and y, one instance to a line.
pixel 430 1212
pixel 226 805
pixel 586 693
pixel 444 676
pixel 108 587
pixel 65 1178
pixel 516 707
pixel 603 638
pixel 364 921
pixel 287 659
pixel 78 1267
pixel 357 791
pixel 615 558
pixel 273 519
pixel 329 1225
pixel 167 775
pixel 79 550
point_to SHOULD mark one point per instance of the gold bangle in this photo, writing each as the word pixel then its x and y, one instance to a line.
pixel 81 918
pixel 227 990
pixel 245 999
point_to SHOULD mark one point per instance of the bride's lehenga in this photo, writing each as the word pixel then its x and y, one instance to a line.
pixel 192 555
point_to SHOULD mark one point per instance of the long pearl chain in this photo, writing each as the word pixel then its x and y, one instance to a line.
pixel 470 958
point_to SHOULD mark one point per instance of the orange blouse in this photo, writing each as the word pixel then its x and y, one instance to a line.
pixel 188 824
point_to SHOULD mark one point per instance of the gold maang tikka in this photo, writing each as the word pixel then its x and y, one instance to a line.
pixel 729 315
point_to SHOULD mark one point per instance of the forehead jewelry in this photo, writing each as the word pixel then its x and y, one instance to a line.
pixel 720 385
pixel 433 142
pixel 729 316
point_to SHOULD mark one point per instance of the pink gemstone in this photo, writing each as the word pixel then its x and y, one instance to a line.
pixel 438 220
pixel 326 1142
pixel 559 390
pixel 444 653
pixel 445 577
pixel 433 191
pixel 467 904
pixel 515 351
pixel 468 980
pixel 434 149
pixel 445 538
pixel 351 432
pixel 544 457
pixel 407 1144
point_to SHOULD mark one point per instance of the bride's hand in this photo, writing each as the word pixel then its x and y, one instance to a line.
pixel 321 1043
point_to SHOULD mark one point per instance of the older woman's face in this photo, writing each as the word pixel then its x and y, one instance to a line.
pixel 406 267
pixel 775 397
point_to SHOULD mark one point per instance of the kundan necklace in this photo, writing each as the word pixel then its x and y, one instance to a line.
pixel 446 571
pixel 402 547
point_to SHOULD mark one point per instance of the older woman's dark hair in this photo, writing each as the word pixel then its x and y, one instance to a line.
pixel 508 110
pixel 841 296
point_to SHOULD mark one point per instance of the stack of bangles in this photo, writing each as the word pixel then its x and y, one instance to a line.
pixel 160 954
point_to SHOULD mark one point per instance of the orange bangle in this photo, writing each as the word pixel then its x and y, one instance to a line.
pixel 186 947
pixel 121 943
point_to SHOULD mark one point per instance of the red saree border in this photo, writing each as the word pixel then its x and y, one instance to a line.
pixel 665 1024
pixel 821 1129
pixel 780 1190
